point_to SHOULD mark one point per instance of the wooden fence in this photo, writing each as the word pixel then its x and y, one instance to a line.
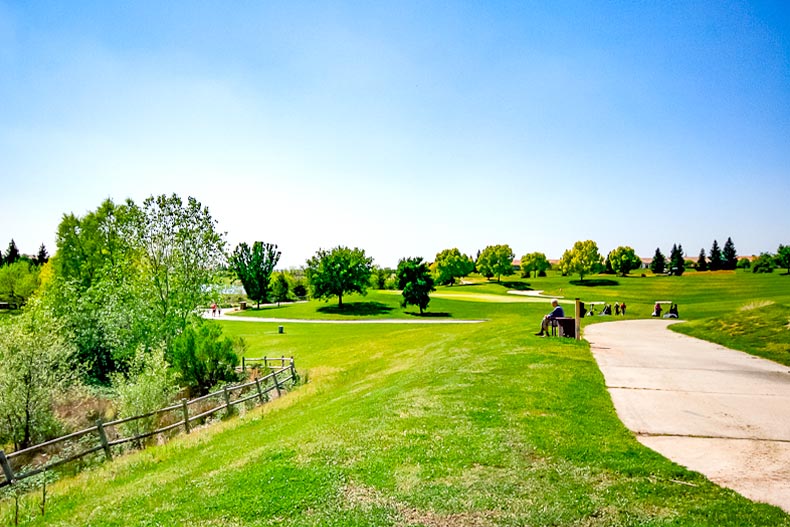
pixel 106 435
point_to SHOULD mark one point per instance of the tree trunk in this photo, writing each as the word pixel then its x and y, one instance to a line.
pixel 340 301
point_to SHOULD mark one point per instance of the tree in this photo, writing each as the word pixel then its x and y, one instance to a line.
pixel 43 256
pixel 624 260
pixel 18 282
pixel 582 259
pixel 702 263
pixel 254 268
pixel 181 254
pixel 744 263
pixel 451 264
pixel 280 288
pixel 534 262
pixel 783 257
pixel 765 263
pixel 495 260
pixel 677 262
pixel 716 258
pixel 659 262
pixel 337 272
pixel 202 357
pixel 383 278
pixel 147 386
pixel 35 364
pixel 12 253
pixel 729 256
pixel 416 282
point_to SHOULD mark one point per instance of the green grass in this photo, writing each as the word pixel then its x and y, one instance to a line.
pixel 478 424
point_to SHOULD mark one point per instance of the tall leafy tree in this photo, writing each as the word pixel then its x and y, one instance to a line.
pixel 451 264
pixel 677 261
pixel 11 253
pixel 716 260
pixel 659 263
pixel 254 267
pixel 729 255
pixel 181 254
pixel 582 259
pixel 281 289
pixel 338 272
pixel 702 262
pixel 783 257
pixel 495 260
pixel 416 282
pixel 624 260
pixel 534 262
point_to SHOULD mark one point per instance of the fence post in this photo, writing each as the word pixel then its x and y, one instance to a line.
pixel 185 409
pixel 276 382
pixel 9 473
pixel 260 392
pixel 265 362
pixel 227 399
pixel 243 364
pixel 293 371
pixel 103 438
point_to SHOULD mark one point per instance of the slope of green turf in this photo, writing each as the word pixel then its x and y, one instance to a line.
pixel 479 424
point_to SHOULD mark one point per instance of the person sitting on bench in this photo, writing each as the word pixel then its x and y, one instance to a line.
pixel 557 312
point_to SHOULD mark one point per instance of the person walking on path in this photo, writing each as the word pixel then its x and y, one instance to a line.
pixel 557 312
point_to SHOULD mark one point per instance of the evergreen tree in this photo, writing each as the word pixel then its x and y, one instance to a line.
pixel 2 261
pixel 12 253
pixel 729 255
pixel 677 263
pixel 702 262
pixel 43 256
pixel 659 262
pixel 716 259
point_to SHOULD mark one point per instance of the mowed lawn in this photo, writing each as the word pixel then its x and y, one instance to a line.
pixel 433 425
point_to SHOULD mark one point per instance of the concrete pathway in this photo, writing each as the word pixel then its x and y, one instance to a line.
pixel 720 412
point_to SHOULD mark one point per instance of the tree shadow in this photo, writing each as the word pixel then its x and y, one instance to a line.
pixel 518 286
pixel 359 309
pixel 595 282
pixel 432 314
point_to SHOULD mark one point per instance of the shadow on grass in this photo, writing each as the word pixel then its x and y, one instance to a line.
pixel 595 282
pixel 358 309
pixel 518 286
pixel 429 314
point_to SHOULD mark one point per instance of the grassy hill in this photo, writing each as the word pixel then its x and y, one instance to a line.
pixel 434 425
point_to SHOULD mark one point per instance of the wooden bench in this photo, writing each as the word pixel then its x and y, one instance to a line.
pixel 566 325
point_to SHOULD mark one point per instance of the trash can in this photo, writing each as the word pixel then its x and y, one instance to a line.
pixel 242 306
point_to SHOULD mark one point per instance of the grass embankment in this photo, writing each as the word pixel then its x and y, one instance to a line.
pixel 425 425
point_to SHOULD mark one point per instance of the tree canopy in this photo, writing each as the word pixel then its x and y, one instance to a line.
pixel 716 260
pixel 624 260
pixel 729 255
pixel 416 282
pixel 338 272
pixel 451 264
pixel 495 260
pixel 534 262
pixel 783 257
pixel 677 262
pixel 582 259
pixel 254 267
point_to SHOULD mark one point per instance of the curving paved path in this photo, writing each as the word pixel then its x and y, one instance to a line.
pixel 720 412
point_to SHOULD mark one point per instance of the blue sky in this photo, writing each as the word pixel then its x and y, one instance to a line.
pixel 405 128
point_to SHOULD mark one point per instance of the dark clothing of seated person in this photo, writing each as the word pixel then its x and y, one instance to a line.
pixel 557 312
pixel 673 312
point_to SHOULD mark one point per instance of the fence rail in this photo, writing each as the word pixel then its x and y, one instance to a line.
pixel 282 370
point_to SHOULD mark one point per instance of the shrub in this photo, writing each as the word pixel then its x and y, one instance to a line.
pixel 149 385
pixel 203 358
pixel 744 263
pixel 764 263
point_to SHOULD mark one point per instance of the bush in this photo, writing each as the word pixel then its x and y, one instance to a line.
pixel 744 263
pixel 149 385
pixel 203 358
pixel 764 263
